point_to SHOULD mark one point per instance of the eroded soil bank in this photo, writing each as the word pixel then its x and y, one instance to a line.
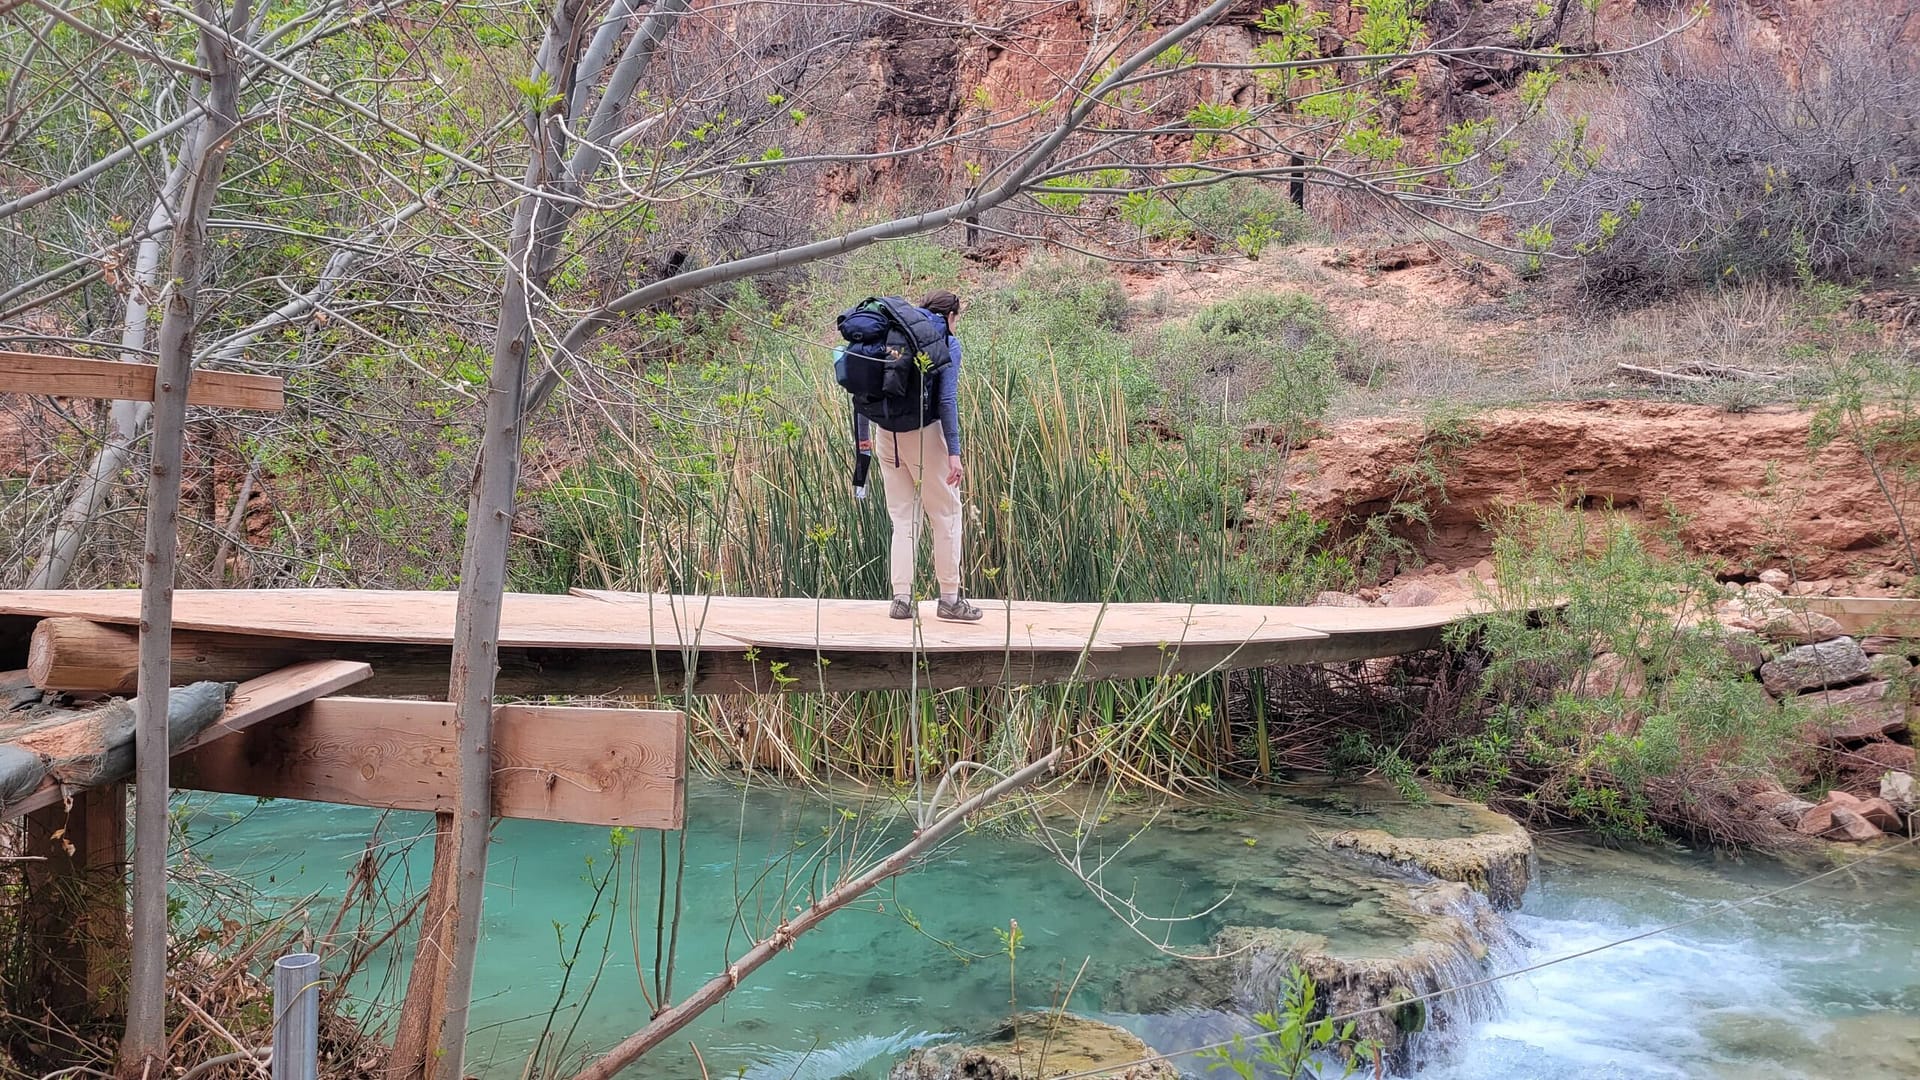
pixel 1746 488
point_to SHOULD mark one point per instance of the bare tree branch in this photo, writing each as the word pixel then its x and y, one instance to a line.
pixel 668 1023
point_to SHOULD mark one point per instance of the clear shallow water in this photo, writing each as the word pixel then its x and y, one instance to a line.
pixel 1820 983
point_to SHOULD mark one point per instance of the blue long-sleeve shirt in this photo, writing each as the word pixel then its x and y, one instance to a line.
pixel 946 398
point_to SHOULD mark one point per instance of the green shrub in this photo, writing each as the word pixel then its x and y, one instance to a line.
pixel 1268 358
pixel 1664 753
pixel 1247 214
pixel 1056 319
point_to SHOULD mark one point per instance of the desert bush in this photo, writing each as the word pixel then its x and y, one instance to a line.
pixel 1266 358
pixel 1559 740
pixel 1526 709
pixel 1717 158
pixel 1246 215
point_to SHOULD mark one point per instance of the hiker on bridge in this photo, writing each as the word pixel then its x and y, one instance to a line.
pixel 902 366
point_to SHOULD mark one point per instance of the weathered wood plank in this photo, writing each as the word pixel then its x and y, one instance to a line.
pixel 1891 616
pixel 73 376
pixel 76 914
pixel 270 695
pixel 592 766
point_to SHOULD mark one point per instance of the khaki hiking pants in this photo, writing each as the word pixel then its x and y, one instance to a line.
pixel 913 470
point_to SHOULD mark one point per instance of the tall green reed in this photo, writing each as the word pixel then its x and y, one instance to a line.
pixel 731 476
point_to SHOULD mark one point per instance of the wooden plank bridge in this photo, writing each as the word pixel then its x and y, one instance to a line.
pixel 288 650
pixel 264 671
pixel 599 643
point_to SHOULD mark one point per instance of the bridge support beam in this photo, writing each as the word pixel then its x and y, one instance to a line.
pixel 76 879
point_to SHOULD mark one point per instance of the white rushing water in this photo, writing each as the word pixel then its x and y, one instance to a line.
pixel 1818 984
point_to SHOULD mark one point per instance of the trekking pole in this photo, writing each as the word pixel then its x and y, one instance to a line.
pixel 862 459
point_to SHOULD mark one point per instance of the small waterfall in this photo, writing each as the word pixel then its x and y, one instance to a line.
pixel 1460 940
pixel 1486 944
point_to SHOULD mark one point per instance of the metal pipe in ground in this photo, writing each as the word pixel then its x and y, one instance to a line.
pixel 296 1017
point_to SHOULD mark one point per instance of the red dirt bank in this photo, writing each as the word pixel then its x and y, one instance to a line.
pixel 1745 484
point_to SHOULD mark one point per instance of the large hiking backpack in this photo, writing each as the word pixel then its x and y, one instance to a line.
pixel 894 351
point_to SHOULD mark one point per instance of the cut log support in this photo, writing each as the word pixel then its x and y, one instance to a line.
pixel 98 748
pixel 62 734
pixel 22 772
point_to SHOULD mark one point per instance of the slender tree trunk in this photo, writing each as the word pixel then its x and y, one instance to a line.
pixel 416 1035
pixel 143 1050
pixel 235 534
pixel 127 418
pixel 431 1036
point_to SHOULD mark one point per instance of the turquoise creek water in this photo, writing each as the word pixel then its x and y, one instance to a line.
pixel 1821 982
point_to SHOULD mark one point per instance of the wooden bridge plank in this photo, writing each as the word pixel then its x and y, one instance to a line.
pixel 74 376
pixel 270 695
pixel 593 766
pixel 801 623
pixel 372 615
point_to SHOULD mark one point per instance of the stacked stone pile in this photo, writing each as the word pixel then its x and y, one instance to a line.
pixel 1860 692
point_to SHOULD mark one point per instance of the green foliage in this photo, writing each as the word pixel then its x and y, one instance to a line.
pixel 1295 37
pixel 1154 214
pixel 1064 203
pixel 1270 358
pixel 1390 26
pixel 1295 1040
pixel 1212 122
pixel 1250 214
pixel 1633 756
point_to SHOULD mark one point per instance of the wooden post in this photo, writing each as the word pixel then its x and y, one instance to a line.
pixel 78 913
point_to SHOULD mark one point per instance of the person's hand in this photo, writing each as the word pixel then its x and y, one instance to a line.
pixel 953 470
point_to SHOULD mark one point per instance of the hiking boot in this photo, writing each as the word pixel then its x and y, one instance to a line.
pixel 902 608
pixel 958 610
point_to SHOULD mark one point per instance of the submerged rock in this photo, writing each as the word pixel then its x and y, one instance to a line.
pixel 1037 1046
pixel 1497 861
